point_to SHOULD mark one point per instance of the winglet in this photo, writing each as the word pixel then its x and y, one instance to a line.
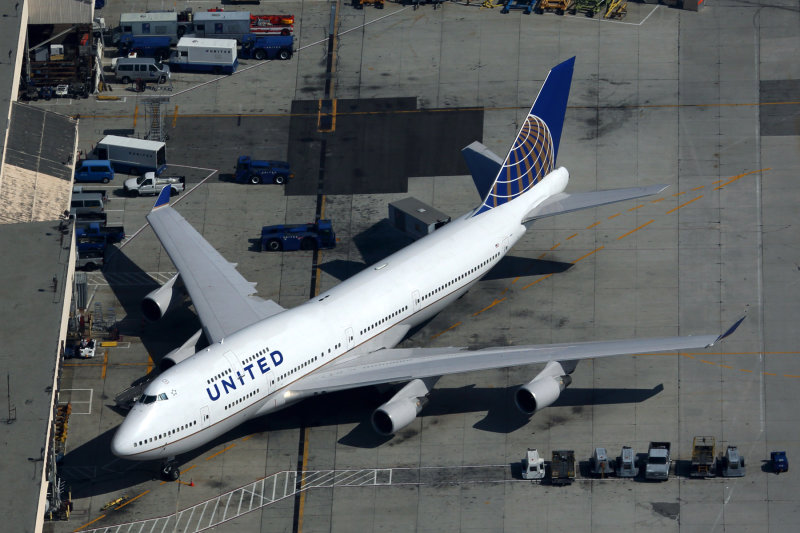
pixel 729 332
pixel 163 197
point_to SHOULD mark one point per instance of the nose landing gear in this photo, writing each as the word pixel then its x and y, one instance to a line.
pixel 170 470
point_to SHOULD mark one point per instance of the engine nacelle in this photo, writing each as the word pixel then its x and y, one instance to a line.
pixel 403 408
pixel 157 303
pixel 543 390
pixel 188 349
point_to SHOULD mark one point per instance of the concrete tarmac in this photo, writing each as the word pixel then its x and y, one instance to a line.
pixel 699 101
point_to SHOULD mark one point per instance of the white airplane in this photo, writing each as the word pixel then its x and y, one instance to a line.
pixel 262 357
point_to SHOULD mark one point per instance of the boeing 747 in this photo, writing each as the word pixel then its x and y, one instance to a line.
pixel 262 357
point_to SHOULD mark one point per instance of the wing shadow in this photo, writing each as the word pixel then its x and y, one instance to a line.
pixel 130 284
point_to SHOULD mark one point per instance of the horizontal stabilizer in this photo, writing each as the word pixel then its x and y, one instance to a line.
pixel 566 203
pixel 483 164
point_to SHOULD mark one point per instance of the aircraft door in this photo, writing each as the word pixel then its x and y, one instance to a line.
pixel 415 300
pixel 205 416
pixel 349 338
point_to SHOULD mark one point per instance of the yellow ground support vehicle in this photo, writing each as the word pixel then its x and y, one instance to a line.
pixel 359 4
pixel 557 6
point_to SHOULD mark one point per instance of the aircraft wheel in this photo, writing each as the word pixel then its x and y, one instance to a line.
pixel 274 245
pixel 279 180
pixel 255 179
pixel 170 472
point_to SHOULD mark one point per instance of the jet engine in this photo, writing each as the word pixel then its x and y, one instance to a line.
pixel 403 408
pixel 157 303
pixel 188 349
pixel 543 390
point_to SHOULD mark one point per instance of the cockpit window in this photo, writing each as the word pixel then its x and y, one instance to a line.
pixel 147 399
pixel 162 396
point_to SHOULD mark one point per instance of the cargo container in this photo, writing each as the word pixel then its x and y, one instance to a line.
pixel 416 218
pixel 194 54
pixel 133 156
pixel 150 24
pixel 222 24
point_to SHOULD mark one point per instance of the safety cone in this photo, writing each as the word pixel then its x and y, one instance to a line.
pixel 191 482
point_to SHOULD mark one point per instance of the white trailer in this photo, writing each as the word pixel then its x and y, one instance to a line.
pixel 205 55
pixel 133 156
pixel 150 25
pixel 222 24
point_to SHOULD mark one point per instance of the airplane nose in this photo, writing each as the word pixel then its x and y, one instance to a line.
pixel 122 443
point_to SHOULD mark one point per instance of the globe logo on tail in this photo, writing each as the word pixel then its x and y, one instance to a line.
pixel 528 161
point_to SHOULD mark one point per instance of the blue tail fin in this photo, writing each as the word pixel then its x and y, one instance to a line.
pixel 533 154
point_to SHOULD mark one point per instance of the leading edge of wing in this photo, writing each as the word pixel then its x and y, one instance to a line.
pixel 391 365
pixel 225 301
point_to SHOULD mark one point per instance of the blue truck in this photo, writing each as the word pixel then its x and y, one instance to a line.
pixel 258 171
pixel 267 46
pixel 110 234
pixel 155 46
pixel 315 236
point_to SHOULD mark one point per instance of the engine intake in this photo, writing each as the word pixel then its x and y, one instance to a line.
pixel 403 408
pixel 540 393
pixel 185 351
pixel 157 303
pixel 543 390
pixel 393 416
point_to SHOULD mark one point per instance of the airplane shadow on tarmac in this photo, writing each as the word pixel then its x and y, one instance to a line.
pixel 91 469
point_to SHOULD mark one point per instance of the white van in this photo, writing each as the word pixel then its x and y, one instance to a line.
pixel 128 69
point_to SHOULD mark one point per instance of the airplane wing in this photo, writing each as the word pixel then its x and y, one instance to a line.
pixel 224 300
pixel 392 365
pixel 566 203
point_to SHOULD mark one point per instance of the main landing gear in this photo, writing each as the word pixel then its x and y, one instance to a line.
pixel 170 470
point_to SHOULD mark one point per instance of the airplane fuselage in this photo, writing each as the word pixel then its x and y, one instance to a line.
pixel 250 373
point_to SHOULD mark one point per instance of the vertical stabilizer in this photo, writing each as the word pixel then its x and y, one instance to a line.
pixel 533 154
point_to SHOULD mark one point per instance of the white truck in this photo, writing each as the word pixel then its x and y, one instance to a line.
pixel 194 54
pixel 533 466
pixel 132 156
pixel 658 461
pixel 149 184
